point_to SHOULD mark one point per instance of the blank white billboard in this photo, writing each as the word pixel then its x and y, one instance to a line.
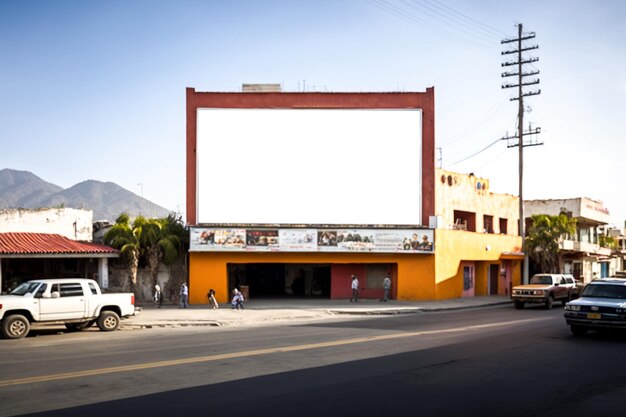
pixel 309 166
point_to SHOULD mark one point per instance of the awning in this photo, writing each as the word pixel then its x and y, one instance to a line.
pixel 48 245
pixel 512 255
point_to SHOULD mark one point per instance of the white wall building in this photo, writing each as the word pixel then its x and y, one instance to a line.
pixel 75 224
pixel 583 255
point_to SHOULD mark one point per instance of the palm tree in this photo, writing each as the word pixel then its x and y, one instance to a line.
pixel 126 239
pixel 161 240
pixel 544 237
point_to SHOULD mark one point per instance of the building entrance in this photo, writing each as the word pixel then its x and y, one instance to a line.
pixel 281 280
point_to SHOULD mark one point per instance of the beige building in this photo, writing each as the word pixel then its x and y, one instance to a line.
pixel 477 236
pixel 464 202
pixel 583 254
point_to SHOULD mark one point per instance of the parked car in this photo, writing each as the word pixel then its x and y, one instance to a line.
pixel 77 303
pixel 601 305
pixel 545 289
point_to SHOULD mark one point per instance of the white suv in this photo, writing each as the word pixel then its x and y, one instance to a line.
pixel 602 305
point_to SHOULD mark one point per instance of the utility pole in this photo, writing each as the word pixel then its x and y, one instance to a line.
pixel 520 62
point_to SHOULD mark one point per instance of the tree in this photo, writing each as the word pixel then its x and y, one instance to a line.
pixel 126 238
pixel 160 240
pixel 148 240
pixel 544 236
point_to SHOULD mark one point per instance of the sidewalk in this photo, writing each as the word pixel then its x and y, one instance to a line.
pixel 275 311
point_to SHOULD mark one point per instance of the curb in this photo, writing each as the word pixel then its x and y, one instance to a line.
pixel 174 323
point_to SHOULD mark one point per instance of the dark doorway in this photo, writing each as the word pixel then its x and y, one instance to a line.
pixel 267 280
pixel 494 275
pixel 18 270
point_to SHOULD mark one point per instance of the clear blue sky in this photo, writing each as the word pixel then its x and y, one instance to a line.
pixel 96 89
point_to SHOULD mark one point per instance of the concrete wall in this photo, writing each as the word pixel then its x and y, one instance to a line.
pixel 169 279
pixel 75 224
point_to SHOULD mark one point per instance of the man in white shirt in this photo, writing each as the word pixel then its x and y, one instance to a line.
pixel 184 296
pixel 355 289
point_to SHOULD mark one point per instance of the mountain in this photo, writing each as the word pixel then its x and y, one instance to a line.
pixel 23 189
pixel 107 199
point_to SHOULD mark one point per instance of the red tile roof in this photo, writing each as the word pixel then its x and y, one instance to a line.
pixel 46 243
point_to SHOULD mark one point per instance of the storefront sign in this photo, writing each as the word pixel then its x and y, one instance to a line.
pixel 312 240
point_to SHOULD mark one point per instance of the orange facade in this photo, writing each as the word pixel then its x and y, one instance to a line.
pixel 411 274
pixel 437 276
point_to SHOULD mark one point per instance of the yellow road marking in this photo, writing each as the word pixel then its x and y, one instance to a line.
pixel 211 358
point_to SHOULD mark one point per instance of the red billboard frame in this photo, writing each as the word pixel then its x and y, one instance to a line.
pixel 400 100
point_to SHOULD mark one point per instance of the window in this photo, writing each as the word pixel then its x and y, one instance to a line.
pixel 464 220
pixel 92 287
pixel 541 280
pixel 41 290
pixel 25 288
pixel 503 226
pixel 605 291
pixel 488 223
pixel 468 278
pixel 578 270
pixel 71 290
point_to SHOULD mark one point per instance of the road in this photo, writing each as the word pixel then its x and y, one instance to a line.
pixel 494 361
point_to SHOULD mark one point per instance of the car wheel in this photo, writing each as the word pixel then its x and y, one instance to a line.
pixel 578 330
pixel 518 304
pixel 15 327
pixel 549 302
pixel 108 321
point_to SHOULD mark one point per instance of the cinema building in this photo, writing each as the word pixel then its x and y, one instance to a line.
pixel 289 194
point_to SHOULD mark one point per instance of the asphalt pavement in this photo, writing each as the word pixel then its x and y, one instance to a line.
pixel 275 311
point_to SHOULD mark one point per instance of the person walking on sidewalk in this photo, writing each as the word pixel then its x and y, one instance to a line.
pixel 355 289
pixel 184 296
pixel 386 288
pixel 212 300
pixel 158 295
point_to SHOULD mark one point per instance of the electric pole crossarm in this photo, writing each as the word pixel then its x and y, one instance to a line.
pixel 531 35
pixel 530 93
pixel 522 84
pixel 515 74
pixel 534 131
pixel 517 51
pixel 525 61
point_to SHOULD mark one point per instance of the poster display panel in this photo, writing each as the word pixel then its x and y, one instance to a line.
pixel 312 240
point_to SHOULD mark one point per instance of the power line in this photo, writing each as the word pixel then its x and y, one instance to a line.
pixel 474 23
pixel 482 121
pixel 446 19
pixel 473 155
pixel 443 32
